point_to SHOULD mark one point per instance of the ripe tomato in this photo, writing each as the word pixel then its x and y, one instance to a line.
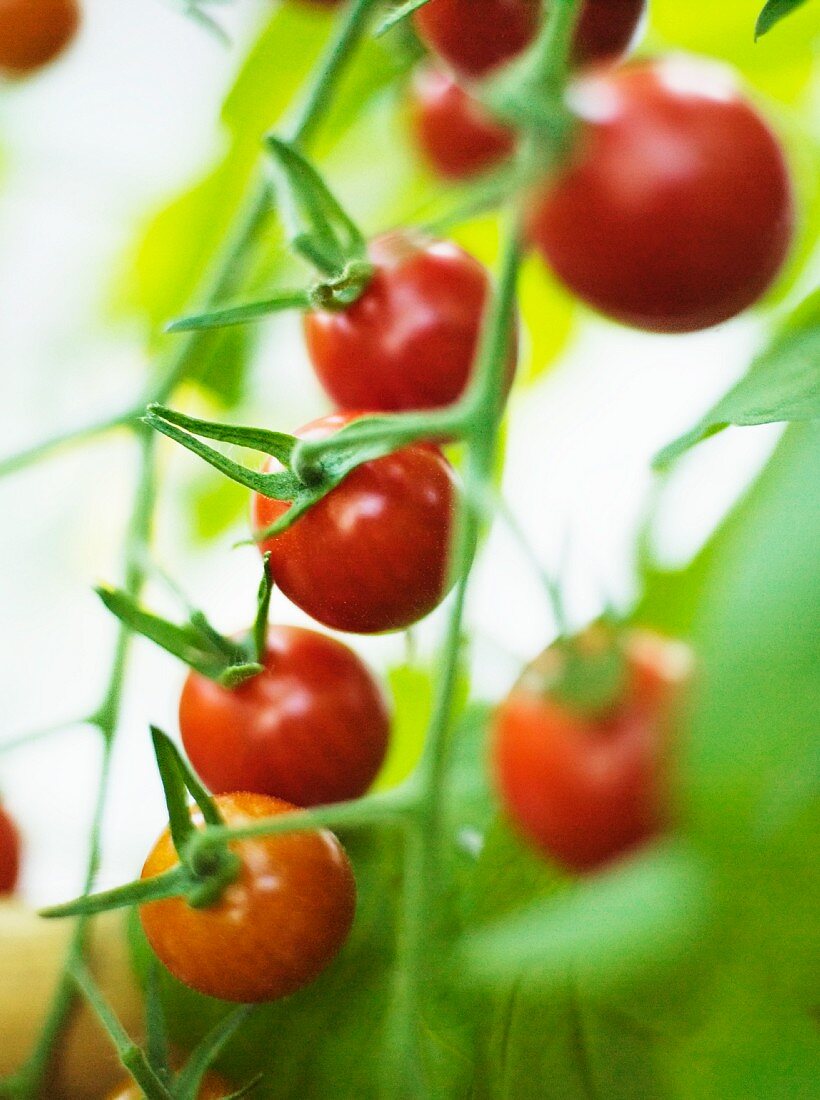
pixel 455 132
pixel 34 32
pixel 9 853
pixel 676 211
pixel 410 340
pixel 275 928
pixel 475 36
pixel 589 789
pixel 213 1087
pixel 312 728
pixel 372 555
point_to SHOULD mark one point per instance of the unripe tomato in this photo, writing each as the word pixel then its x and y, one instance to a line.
pixel 675 212
pixel 9 853
pixel 312 728
pixel 34 32
pixel 475 36
pixel 213 1087
pixel 275 928
pixel 455 132
pixel 372 555
pixel 588 789
pixel 410 341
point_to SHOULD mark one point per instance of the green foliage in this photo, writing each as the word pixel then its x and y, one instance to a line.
pixel 783 384
pixel 773 12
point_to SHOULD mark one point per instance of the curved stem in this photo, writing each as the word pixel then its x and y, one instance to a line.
pixel 47 447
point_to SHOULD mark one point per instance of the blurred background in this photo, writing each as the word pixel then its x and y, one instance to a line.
pixel 130 119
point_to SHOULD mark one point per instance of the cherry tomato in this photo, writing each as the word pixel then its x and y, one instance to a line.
pixel 275 928
pixel 587 789
pixel 34 32
pixel 312 728
pixel 410 340
pixel 9 853
pixel 372 555
pixel 455 132
pixel 213 1087
pixel 676 211
pixel 475 36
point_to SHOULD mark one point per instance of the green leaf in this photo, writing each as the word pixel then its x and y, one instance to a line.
pixel 773 12
pixel 403 11
pixel 783 384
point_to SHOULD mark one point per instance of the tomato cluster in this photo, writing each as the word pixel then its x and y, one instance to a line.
pixel 588 787
pixel 34 32
pixel 274 929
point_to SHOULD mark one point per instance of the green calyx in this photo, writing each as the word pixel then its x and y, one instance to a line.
pixel 227 661
pixel 587 674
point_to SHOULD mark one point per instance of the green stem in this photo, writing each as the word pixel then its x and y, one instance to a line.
pixel 425 905
pixel 374 809
pixel 16 462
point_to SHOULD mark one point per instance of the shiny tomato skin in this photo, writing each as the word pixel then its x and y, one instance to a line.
pixel 213 1087
pixel 409 342
pixel 587 790
pixel 454 131
pixel 371 556
pixel 275 928
pixel 311 729
pixel 34 32
pixel 9 853
pixel 676 211
pixel 476 36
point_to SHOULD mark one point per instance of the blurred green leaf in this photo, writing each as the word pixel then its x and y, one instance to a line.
pixel 773 12
pixel 783 384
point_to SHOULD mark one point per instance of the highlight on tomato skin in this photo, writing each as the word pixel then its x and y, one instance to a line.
pixel 275 928
pixel 668 152
pixel 213 1087
pixel 372 555
pixel 590 789
pixel 477 36
pixel 410 341
pixel 454 132
pixel 35 32
pixel 9 853
pixel 312 728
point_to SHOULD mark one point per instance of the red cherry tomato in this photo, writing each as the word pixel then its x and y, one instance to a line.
pixel 585 789
pixel 275 928
pixel 455 132
pixel 311 729
pixel 213 1087
pixel 410 340
pixel 676 211
pixel 475 36
pixel 372 555
pixel 34 32
pixel 9 853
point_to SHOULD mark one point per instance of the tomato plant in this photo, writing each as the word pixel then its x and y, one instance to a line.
pixel 372 555
pixel 9 852
pixel 719 197
pixel 618 846
pixel 587 786
pixel 456 134
pixel 475 36
pixel 277 926
pixel 32 34
pixel 311 728
pixel 410 340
